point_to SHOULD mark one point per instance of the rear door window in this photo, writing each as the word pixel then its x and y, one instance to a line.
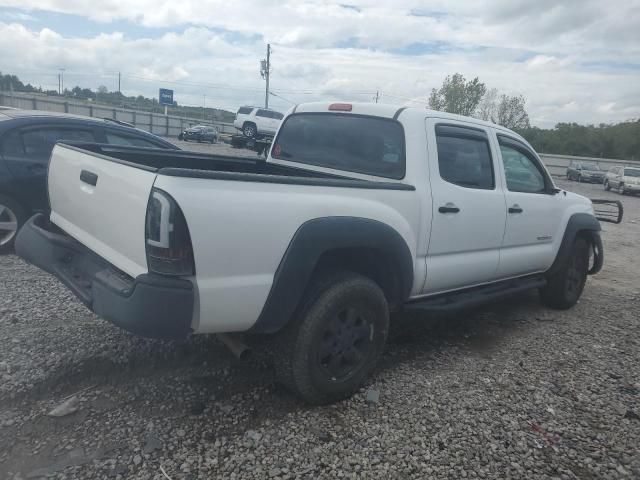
pixel 464 157
pixel 117 138
pixel 244 110
pixel 353 143
pixel 12 144
pixel 38 143
pixel 263 113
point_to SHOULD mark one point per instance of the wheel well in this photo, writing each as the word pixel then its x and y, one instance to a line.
pixel 248 123
pixel 374 263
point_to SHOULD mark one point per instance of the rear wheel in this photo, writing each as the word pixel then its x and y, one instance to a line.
pixel 12 217
pixel 333 343
pixel 607 187
pixel 565 286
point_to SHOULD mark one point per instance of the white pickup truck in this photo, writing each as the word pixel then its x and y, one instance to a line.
pixel 360 210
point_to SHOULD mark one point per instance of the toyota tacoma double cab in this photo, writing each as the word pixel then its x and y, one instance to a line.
pixel 360 210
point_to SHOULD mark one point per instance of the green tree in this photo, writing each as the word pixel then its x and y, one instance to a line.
pixel 511 113
pixel 456 95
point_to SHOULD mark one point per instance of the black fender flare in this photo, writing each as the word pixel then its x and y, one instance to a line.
pixel 313 239
pixel 580 223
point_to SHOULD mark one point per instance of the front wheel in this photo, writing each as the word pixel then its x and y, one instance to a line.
pixel 333 343
pixel 566 285
pixel 621 189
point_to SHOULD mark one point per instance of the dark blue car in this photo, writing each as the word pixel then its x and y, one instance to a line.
pixel 26 140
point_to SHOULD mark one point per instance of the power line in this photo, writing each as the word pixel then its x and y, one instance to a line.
pixel 279 96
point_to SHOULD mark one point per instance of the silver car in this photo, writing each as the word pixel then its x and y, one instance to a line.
pixel 624 179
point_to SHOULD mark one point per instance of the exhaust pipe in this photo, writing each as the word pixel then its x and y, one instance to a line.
pixel 234 342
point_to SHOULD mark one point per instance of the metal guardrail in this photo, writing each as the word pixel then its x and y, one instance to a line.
pixel 166 126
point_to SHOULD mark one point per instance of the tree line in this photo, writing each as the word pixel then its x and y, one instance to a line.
pixel 472 98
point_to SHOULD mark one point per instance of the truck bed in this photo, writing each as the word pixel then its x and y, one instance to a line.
pixel 181 162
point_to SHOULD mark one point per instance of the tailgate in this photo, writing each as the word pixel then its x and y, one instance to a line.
pixel 102 203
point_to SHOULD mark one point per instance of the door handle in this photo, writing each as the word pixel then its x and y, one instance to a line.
pixel 89 177
pixel 515 209
pixel 449 208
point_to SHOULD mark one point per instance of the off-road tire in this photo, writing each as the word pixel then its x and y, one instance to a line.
pixel 564 287
pixel 21 216
pixel 301 344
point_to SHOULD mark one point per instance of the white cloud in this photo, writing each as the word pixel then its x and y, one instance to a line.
pixel 585 54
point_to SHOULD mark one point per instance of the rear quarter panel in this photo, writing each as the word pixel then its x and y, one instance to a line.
pixel 241 230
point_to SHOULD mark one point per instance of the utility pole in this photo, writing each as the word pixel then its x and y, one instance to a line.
pixel 59 92
pixel 62 81
pixel 377 95
pixel 265 70
pixel 119 91
pixel 204 103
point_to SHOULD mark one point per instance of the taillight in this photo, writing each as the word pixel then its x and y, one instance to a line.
pixel 341 107
pixel 168 243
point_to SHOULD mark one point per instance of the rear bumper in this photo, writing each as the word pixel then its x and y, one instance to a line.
pixel 148 305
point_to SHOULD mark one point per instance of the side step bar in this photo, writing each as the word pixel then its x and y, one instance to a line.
pixel 472 297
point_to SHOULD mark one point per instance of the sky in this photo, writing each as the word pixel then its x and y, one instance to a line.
pixel 573 60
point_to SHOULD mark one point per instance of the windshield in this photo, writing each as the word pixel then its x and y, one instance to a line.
pixel 632 172
pixel 590 166
pixel 353 143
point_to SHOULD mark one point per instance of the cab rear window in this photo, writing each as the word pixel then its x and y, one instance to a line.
pixel 353 143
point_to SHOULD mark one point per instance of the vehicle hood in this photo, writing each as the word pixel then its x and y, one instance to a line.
pixel 579 199
pixel 593 172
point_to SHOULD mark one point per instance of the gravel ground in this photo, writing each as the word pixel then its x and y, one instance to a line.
pixel 509 391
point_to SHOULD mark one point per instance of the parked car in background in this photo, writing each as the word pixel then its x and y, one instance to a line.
pixel 200 133
pixel 26 140
pixel 254 121
pixel 624 179
pixel 585 172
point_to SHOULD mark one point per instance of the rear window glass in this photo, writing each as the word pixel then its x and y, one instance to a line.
pixel 244 110
pixel 353 143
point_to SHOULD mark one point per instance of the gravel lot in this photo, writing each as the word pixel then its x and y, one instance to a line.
pixel 510 391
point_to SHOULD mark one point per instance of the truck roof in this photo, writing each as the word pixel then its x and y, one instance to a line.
pixel 392 111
